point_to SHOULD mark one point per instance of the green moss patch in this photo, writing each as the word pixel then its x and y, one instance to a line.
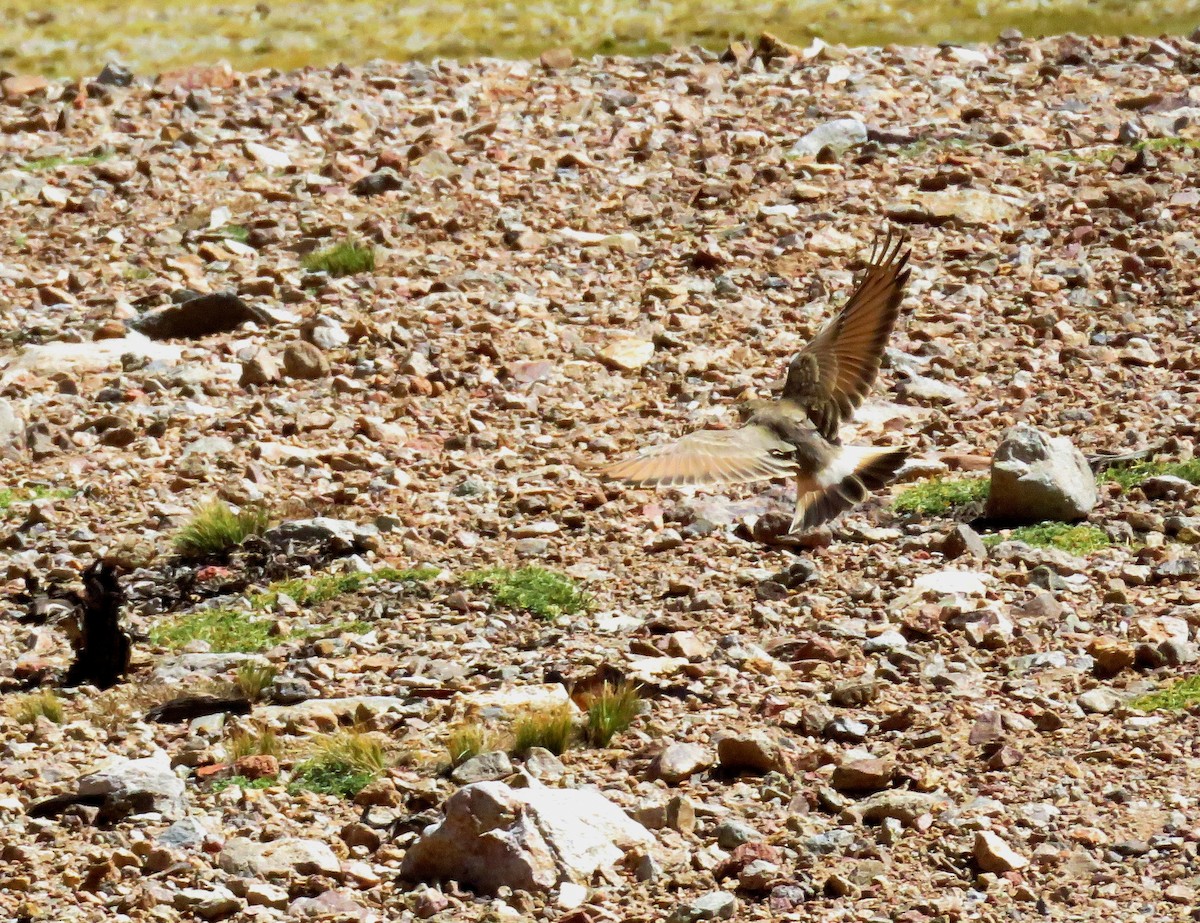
pixel 939 496
pixel 541 592
pixel 225 630
pixel 347 258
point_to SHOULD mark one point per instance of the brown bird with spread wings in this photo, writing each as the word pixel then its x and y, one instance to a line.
pixel 797 436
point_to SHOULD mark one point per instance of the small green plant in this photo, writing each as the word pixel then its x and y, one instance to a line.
pixel 1078 540
pixel 611 712
pixel 343 763
pixel 214 529
pixel 467 741
pixel 1179 695
pixel 552 730
pixel 347 258
pixel 49 163
pixel 225 630
pixel 235 232
pixel 242 782
pixel 532 589
pixel 10 495
pixel 253 679
pixel 1130 476
pixel 248 743
pixel 28 708
pixel 940 495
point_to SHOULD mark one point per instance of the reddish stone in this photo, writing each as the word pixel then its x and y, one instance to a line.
pixel 256 766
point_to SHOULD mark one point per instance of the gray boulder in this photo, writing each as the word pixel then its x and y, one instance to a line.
pixel 337 535
pixel 1036 477
pixel 135 787
pixel 532 839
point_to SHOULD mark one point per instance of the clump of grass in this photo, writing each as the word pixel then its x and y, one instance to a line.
pixel 28 708
pixel 215 529
pixel 552 730
pixel 1078 540
pixel 532 589
pixel 10 495
pixel 611 712
pixel 1179 695
pixel 342 764
pixel 468 741
pixel 253 679
pixel 940 495
pixel 1130 476
pixel 248 743
pixel 242 782
pixel 347 258
pixel 225 630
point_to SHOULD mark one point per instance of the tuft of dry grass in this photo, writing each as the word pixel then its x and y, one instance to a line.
pixel 342 763
pixel 215 529
pixel 28 708
pixel 249 743
pixel 346 258
pixel 552 730
pixel 611 712
pixel 468 741
pixel 253 679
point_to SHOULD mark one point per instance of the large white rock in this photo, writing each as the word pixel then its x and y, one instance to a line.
pixel 12 427
pixel 49 358
pixel 839 135
pixel 1036 477
pixel 189 667
pixel 278 858
pixel 533 838
pixel 968 207
pixel 511 702
pixel 136 787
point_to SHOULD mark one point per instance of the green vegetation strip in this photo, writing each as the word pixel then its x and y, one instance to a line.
pixel 153 35
pixel 230 630
pixel 49 163
pixel 11 495
pixel 1182 694
pixel 1077 540
pixel 1130 476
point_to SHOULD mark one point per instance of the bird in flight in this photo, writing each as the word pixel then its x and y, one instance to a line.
pixel 797 435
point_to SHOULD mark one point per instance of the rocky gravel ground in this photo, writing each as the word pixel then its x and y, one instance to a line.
pixel 548 264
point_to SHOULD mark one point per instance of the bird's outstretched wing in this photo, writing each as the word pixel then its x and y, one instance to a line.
pixel 710 456
pixel 830 377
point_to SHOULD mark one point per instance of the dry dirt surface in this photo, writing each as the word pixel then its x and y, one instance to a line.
pixel 572 259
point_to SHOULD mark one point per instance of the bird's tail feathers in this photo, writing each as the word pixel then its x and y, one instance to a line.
pixel 846 482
